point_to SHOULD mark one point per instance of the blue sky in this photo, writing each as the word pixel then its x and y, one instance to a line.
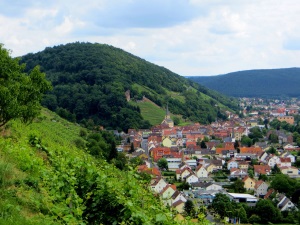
pixel 189 37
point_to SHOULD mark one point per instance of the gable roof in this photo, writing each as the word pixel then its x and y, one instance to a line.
pixel 262 169
pixel 167 187
pixel 247 177
pixel 258 183
pixel 177 203
pixel 254 150
pixel 271 191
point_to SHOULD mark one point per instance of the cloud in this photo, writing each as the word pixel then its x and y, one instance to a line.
pixel 190 37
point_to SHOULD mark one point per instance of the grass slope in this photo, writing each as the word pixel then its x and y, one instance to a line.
pixel 151 112
pixel 45 179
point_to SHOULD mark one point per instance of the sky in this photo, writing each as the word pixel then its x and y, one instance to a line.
pixel 189 37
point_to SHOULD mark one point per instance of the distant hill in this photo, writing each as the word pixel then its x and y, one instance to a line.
pixel 255 83
pixel 90 81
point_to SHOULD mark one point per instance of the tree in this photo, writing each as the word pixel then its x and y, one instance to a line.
pixel 20 93
pixel 203 145
pixel 206 139
pixel 263 177
pixel 267 211
pixel 246 141
pixel 236 144
pixel 276 170
pixel 238 186
pixel 273 138
pixel 272 150
pixel 189 208
pixel 222 205
pixel 284 184
pixel 162 163
pixel 241 214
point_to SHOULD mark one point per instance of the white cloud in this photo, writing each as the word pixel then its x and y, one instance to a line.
pixel 195 37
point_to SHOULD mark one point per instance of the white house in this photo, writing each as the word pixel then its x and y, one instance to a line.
pixel 232 164
pixel 273 159
pixel 158 184
pixel 285 162
pixel 192 178
pixel 201 171
pixel 167 192
pixel 234 172
pixel 261 188
pixel 285 204
pixel 183 173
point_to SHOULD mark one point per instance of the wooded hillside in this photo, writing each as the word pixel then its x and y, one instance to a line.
pixel 255 83
pixel 90 80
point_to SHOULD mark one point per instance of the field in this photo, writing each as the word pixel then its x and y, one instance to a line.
pixel 151 112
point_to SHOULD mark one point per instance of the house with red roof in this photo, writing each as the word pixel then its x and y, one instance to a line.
pixel 155 172
pixel 261 169
pixel 251 150
pixel 167 192
pixel 158 152
pixel 285 162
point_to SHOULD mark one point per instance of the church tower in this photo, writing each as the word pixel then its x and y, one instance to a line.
pixel 168 119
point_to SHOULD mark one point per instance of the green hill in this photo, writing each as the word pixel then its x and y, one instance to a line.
pixel 46 179
pixel 90 81
pixel 255 83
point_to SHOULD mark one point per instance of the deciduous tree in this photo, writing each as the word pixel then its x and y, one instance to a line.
pixel 20 93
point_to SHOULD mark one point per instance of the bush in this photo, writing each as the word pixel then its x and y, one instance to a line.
pixel 254 219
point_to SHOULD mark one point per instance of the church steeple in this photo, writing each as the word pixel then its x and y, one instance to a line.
pixel 168 119
pixel 167 116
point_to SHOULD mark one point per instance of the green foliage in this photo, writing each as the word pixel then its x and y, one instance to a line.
pixel 254 219
pixel 242 215
pixel 255 83
pixel 189 208
pixel 267 211
pixel 238 186
pixel 20 93
pixel 272 150
pixel 162 163
pixel 255 134
pixel 222 205
pixel 65 185
pixel 90 80
pixel 246 141
pixel 284 184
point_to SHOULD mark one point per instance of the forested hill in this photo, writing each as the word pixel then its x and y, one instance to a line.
pixel 90 80
pixel 255 83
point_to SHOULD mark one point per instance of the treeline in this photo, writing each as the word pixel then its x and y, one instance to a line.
pixel 255 83
pixel 89 82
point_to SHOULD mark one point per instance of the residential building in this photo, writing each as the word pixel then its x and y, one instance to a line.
pixel 232 164
pixel 249 183
pixel 201 172
pixel 289 170
pixel 285 204
pixel 261 188
pixel 261 169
